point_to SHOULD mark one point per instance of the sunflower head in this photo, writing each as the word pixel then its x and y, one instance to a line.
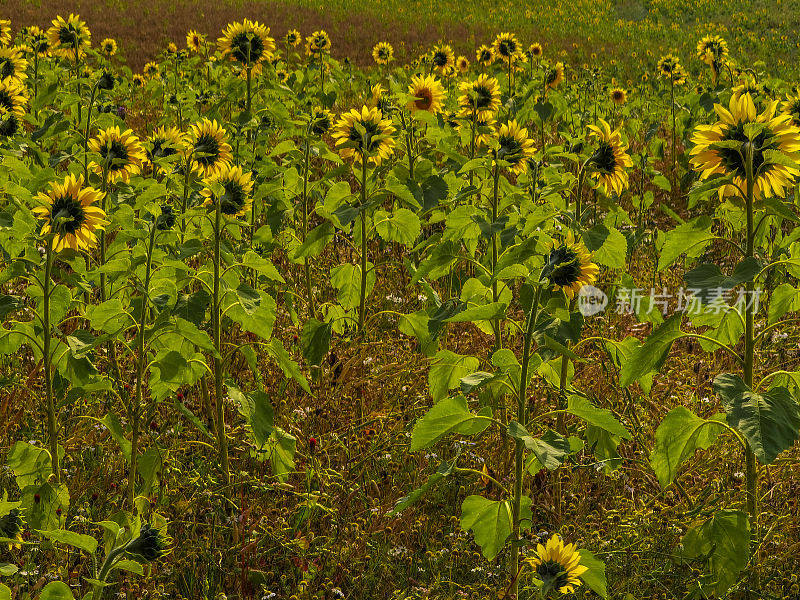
pixel 208 148
pixel 554 75
pixel 231 189
pixel 791 107
pixel 164 141
pixel 5 32
pixel 380 99
pixel 514 146
pixel 669 68
pixel 485 125
pixel 607 166
pixel 317 43
pixel 320 121
pixel 13 96
pixel 742 143
pixel 748 85
pixel 712 50
pixel 364 131
pixel 506 46
pixel 536 50
pixel 481 95
pixel 462 64
pixel 12 64
pixel 293 37
pixel 9 123
pixel 150 70
pixel 121 154
pixel 195 41
pixel 149 546
pixel 137 80
pixel 618 96
pixel 557 566
pixel 108 47
pixel 71 214
pixel 11 526
pixel 443 58
pixel 37 40
pixel 484 55
pixel 247 42
pixel 383 53
pixel 427 94
pixel 69 36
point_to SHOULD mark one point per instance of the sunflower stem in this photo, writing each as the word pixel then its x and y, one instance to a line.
pixel 495 292
pixel 304 202
pixel 52 426
pixel 222 439
pixel 362 310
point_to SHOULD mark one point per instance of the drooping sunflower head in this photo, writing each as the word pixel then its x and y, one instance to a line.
pixel 462 64
pixel 282 75
pixel 232 188
pixel 485 126
pixel 618 96
pixel 11 527
pixel 195 41
pixel 13 96
pixel 669 68
pixel 724 148
pixel 150 545
pixel 9 123
pixel 150 70
pixel 383 53
pixel 172 48
pixel 791 106
pixel 380 99
pixel 318 42
pixel 5 32
pixel 320 121
pixel 427 94
pixel 108 47
pixel 163 142
pixel 536 50
pixel 557 566
pixel 71 214
pixel 607 166
pixel 37 40
pixel 484 55
pixel 554 75
pixel 68 36
pixel 515 147
pixel 121 154
pixel 247 42
pixel 442 57
pixel 712 50
pixel 137 80
pixel 364 131
pixel 207 146
pixel 12 64
pixel 506 46
pixel 481 95
pixel 293 38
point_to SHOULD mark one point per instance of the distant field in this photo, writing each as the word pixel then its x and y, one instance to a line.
pixel 625 35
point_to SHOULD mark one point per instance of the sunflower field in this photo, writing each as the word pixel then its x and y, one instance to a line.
pixel 278 323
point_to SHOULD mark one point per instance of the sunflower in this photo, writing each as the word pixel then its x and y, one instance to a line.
pixel 318 43
pixel 11 528
pixel 71 214
pixel 515 147
pixel 484 55
pixel 172 48
pixel 5 32
pixel 9 123
pixel 556 565
pixel 121 154
pixel 376 142
pixel 608 163
pixel 481 95
pixel 669 67
pixel 68 36
pixel 758 133
pixel 485 126
pixel 163 142
pixel 207 147
pixel 247 42
pixel 427 93
pixel 282 75
pixel 320 121
pixel 238 187
pixel 791 106
pixel 150 70
pixel 13 96
pixel 462 64
pixel 37 40
pixel 506 46
pixel 712 50
pixel 747 85
pixel 383 53
pixel 12 65
pixel 443 58
pixel 553 76
pixel 536 50
pixel 108 47
pixel 379 99
pixel 292 37
pixel 618 96
pixel 137 80
pixel 195 41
